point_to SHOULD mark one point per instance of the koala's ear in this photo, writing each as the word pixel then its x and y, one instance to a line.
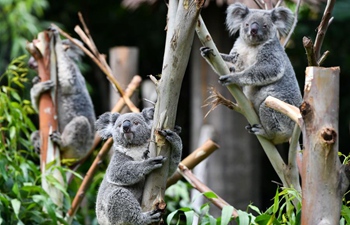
pixel 283 19
pixel 148 113
pixel 235 15
pixel 104 124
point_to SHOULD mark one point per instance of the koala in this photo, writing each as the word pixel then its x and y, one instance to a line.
pixel 261 66
pixel 76 116
pixel 120 194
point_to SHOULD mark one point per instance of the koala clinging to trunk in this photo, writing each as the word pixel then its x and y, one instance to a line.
pixel 261 66
pixel 76 116
pixel 120 194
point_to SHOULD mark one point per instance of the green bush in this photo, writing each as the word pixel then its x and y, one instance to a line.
pixel 22 199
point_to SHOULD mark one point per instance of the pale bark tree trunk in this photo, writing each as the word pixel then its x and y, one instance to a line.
pixel 182 18
pixel 323 177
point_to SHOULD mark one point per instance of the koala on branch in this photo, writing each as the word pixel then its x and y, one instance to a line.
pixel 261 66
pixel 76 116
pixel 120 194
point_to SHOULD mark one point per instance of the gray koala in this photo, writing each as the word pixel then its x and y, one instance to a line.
pixel 120 194
pixel 261 66
pixel 76 116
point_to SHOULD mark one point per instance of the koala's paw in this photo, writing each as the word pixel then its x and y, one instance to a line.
pixel 153 216
pixel 52 29
pixel 206 52
pixel 145 154
pixel 177 129
pixel 232 69
pixel 226 79
pixel 254 129
pixel 56 138
pixel 35 140
pixel 169 135
pixel 154 163
pixel 44 86
pixel 36 80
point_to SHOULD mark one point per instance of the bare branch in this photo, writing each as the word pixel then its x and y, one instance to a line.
pixel 296 13
pixel 290 110
pixel 194 159
pixel 201 187
pixel 322 28
pixel 309 48
pixel 215 99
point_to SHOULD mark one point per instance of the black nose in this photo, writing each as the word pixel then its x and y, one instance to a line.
pixel 254 28
pixel 126 126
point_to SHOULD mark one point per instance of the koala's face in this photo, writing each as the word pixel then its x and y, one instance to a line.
pixel 257 28
pixel 131 129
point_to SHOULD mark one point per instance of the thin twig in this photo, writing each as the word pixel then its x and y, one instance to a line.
pixel 194 159
pixel 201 187
pixel 322 28
pixel 296 13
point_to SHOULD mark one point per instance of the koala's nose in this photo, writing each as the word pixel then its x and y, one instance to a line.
pixel 126 126
pixel 254 28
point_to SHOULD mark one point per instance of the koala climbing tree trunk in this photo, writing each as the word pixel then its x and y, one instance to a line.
pixel 43 51
pixel 182 18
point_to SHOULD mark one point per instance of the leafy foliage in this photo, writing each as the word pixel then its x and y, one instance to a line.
pixel 18 23
pixel 22 199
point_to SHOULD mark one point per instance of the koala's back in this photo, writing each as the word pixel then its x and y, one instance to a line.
pixel 73 100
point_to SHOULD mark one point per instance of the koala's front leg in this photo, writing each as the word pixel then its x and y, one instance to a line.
pixel 76 138
pixel 230 59
pixel 176 147
pixel 127 172
pixel 39 88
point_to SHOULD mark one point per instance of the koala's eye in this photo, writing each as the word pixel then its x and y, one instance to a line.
pixel 265 26
pixel 119 125
pixel 247 25
pixel 136 123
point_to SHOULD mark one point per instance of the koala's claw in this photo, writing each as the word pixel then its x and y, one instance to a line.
pixel 206 52
pixel 36 80
pixel 177 129
pixel 254 129
pixel 153 216
pixel 225 80
pixel 55 137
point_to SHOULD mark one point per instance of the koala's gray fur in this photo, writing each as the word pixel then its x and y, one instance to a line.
pixel 120 194
pixel 261 66
pixel 76 116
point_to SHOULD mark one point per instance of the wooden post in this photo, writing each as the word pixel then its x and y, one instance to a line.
pixel 323 177
pixel 124 63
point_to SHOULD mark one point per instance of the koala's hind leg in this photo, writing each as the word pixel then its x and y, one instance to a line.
pixel 123 208
pixel 274 126
pixel 76 138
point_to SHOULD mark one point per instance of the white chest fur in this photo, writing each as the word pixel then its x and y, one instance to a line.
pixel 246 54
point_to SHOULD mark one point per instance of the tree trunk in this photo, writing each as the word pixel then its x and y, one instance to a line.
pixel 182 18
pixel 323 178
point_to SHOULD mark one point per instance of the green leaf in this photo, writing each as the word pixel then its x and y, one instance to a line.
pixel 16 205
pixel 210 195
pixel 226 214
pixel 243 218
pixel 276 203
pixel 189 217
pixel 171 216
